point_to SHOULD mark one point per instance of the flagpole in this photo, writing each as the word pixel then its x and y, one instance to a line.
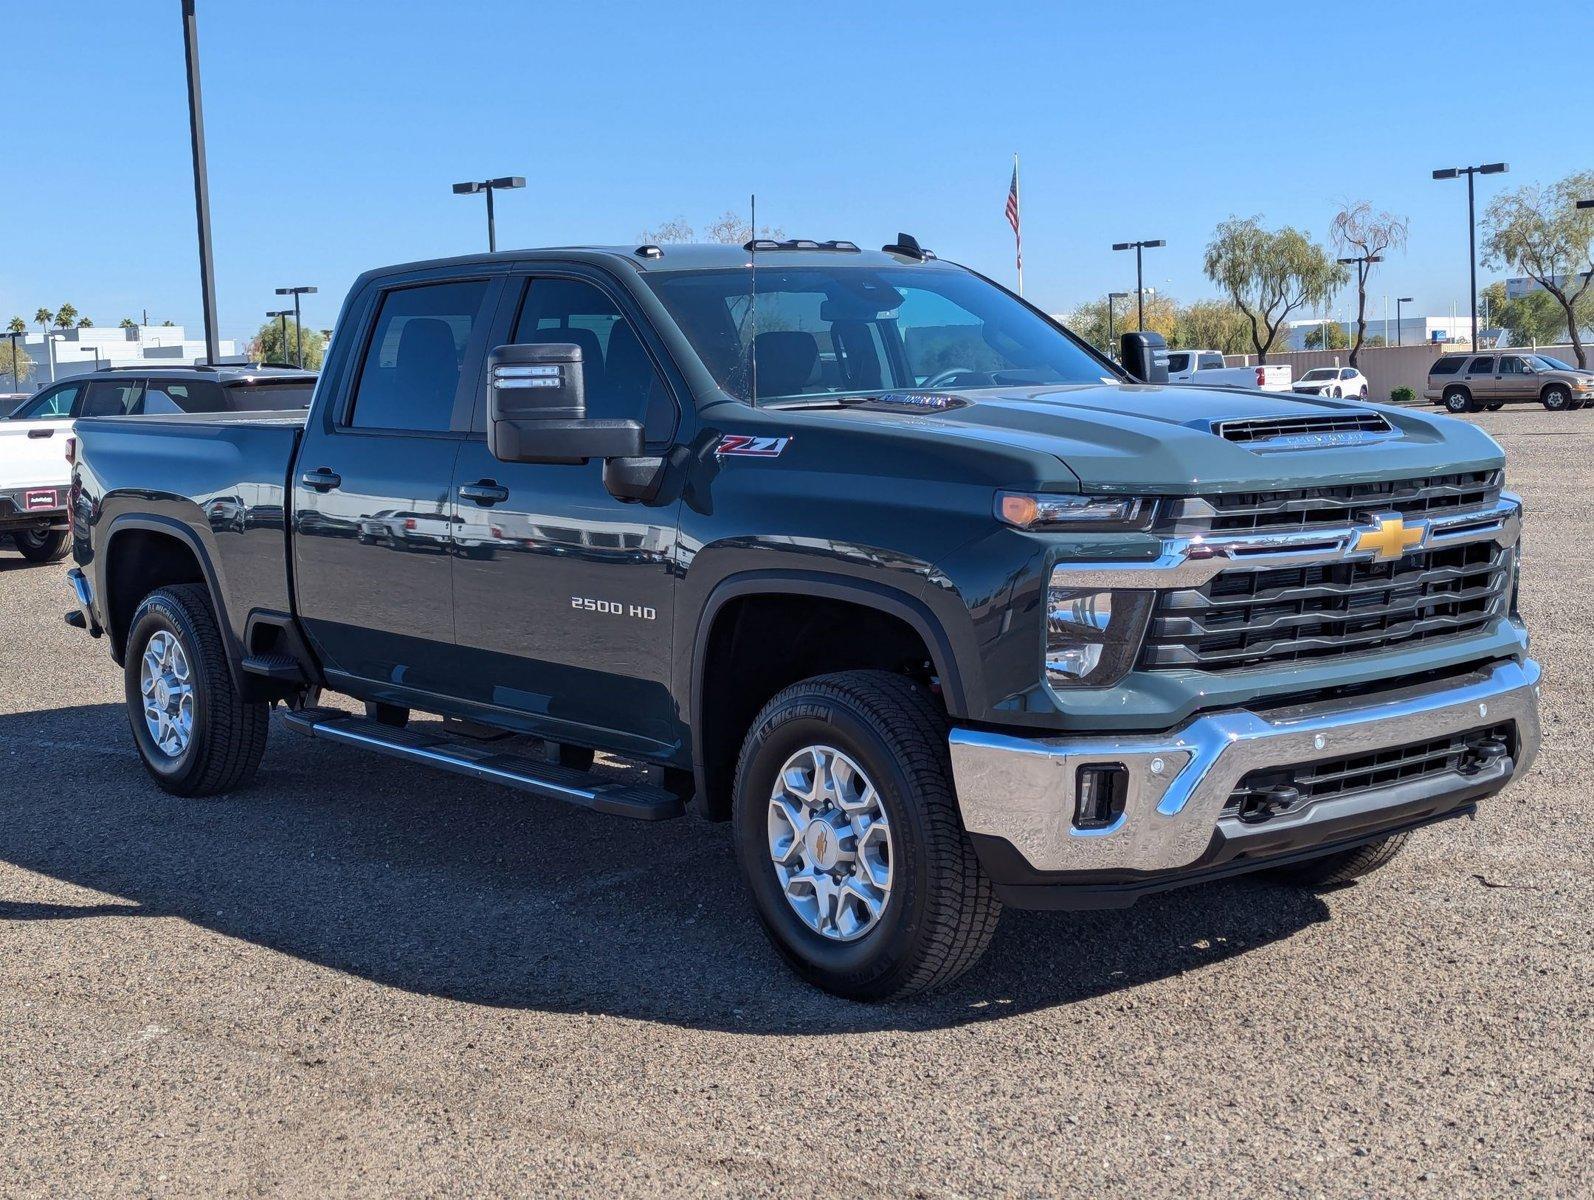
pixel 1018 236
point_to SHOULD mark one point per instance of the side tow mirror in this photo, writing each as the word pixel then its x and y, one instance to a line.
pixel 1145 356
pixel 537 410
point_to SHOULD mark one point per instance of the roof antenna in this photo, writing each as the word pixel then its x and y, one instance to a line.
pixel 752 252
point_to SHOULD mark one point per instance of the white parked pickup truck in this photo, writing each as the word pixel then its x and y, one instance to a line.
pixel 1205 368
pixel 34 474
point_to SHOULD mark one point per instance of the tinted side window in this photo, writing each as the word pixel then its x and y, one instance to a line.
pixel 1511 365
pixel 411 370
pixel 57 402
pixel 112 397
pixel 1347 374
pixel 618 378
pixel 1448 365
pixel 1177 363
pixel 1481 366
pixel 1210 362
pixel 190 395
pixel 254 397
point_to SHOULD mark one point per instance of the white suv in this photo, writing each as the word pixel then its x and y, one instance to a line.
pixel 1333 381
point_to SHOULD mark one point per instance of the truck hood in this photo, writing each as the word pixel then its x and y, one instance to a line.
pixel 1153 439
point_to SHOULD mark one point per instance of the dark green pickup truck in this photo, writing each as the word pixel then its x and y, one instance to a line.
pixel 939 607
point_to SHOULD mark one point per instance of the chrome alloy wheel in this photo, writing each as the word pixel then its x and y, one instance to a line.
pixel 168 687
pixel 830 843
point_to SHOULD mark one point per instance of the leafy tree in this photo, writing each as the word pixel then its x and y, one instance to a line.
pixel 65 316
pixel 1542 233
pixel 1211 325
pixel 1269 274
pixel 1361 233
pixel 127 323
pixel 1338 339
pixel 1089 320
pixel 85 323
pixel 42 318
pixel 267 345
pixel 16 360
pixel 168 323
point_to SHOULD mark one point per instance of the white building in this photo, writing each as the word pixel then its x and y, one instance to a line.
pixel 1410 330
pixel 64 352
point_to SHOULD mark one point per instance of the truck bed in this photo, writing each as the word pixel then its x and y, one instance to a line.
pixel 217 481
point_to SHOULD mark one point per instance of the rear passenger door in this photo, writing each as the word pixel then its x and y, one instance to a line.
pixel 563 594
pixel 372 485
pixel 1479 377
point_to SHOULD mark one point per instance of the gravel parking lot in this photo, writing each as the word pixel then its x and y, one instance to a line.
pixel 359 977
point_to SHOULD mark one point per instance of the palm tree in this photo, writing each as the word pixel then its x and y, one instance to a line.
pixel 17 325
pixel 127 323
pixel 84 323
pixel 42 318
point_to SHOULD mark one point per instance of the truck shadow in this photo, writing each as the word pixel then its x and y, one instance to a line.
pixel 447 887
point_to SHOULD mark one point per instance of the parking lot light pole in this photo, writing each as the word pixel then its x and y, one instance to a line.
pixel 1472 229
pixel 1111 296
pixel 298 326
pixel 1140 286
pixel 1399 300
pixel 489 186
pixel 282 315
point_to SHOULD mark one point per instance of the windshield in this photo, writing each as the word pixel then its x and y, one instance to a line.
pixel 1553 364
pixel 1319 373
pixel 831 331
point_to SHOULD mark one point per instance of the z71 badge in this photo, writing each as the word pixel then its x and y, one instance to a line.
pixel 747 446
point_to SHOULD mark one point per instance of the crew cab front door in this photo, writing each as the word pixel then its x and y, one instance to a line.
pixel 372 487
pixel 563 595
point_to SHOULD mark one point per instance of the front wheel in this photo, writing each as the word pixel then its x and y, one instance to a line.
pixel 196 734
pixel 1557 398
pixel 849 837
pixel 1334 869
pixel 41 547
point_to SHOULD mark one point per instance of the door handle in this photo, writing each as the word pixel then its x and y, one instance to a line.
pixel 39 433
pixel 485 492
pixel 321 479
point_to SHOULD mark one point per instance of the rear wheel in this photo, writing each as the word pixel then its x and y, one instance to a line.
pixel 1458 400
pixel 41 547
pixel 1345 866
pixel 1557 397
pixel 196 734
pixel 848 833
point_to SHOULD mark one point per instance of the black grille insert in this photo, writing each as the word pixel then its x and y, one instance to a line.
pixel 1325 507
pixel 1271 428
pixel 1244 618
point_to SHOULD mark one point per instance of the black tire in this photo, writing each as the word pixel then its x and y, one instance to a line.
pixel 1458 400
pixel 1496 406
pixel 1556 397
pixel 47 547
pixel 941 911
pixel 228 733
pixel 1334 869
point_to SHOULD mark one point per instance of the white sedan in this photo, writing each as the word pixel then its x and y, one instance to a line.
pixel 1333 381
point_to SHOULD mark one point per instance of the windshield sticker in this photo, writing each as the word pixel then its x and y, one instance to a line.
pixel 747 446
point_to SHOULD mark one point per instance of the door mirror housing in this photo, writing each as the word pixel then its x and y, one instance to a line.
pixel 1145 356
pixel 537 411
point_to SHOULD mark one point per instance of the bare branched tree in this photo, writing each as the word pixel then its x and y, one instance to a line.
pixel 1359 232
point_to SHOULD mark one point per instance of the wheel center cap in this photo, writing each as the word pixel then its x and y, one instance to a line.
pixel 824 846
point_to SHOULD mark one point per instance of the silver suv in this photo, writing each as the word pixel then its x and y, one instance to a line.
pixel 1473 382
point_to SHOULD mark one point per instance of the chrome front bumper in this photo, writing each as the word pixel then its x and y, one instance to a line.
pixel 1022 789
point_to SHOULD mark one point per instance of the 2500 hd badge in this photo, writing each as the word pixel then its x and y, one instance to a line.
pixel 614 608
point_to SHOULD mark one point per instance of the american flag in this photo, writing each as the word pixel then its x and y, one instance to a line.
pixel 1012 217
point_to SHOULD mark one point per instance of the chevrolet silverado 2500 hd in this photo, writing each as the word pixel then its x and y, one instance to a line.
pixel 858 550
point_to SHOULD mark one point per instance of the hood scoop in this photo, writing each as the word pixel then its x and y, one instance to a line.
pixel 1304 433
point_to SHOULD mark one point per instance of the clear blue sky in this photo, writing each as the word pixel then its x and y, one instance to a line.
pixel 336 127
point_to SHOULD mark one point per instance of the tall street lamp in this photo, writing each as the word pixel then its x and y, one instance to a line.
pixel 1111 296
pixel 16 370
pixel 282 315
pixel 298 326
pixel 1399 300
pixel 1140 290
pixel 196 133
pixel 1472 232
pixel 489 186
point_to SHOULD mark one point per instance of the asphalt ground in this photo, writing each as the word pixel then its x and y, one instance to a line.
pixel 361 978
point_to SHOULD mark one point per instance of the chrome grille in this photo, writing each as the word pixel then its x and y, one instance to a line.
pixel 1249 618
pixel 1309 508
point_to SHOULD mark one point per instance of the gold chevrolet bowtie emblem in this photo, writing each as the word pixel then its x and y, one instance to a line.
pixel 1390 537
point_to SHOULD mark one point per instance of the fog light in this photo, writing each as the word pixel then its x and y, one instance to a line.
pixel 1100 790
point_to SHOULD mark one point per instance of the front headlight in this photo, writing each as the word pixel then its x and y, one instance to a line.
pixel 1092 637
pixel 1042 511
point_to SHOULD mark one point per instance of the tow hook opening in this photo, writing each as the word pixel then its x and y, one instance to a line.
pixel 1483 753
pixel 1266 803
